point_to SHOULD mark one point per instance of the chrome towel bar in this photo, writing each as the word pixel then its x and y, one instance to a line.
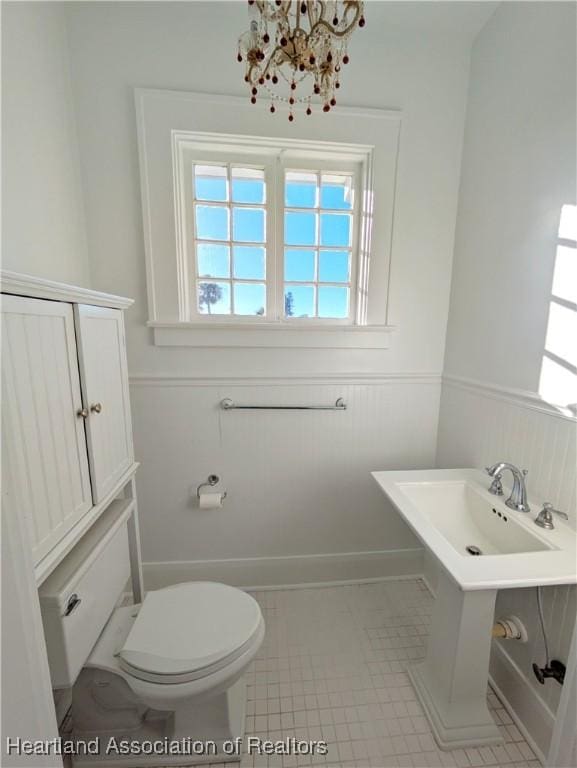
pixel 229 405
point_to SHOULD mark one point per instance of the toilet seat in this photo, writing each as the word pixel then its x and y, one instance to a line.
pixel 190 631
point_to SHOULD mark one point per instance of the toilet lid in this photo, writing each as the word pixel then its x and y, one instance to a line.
pixel 190 627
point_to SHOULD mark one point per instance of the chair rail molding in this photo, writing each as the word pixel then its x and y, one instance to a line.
pixel 522 397
pixel 172 380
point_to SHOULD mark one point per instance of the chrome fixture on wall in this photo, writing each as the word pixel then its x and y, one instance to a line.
pixel 298 42
pixel 229 405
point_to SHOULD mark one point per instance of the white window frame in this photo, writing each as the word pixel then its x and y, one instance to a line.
pixel 167 121
pixel 275 161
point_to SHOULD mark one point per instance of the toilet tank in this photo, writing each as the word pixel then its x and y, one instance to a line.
pixel 76 600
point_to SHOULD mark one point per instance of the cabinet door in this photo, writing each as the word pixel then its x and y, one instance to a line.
pixel 42 431
pixel 104 377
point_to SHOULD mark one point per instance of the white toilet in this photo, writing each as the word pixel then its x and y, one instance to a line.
pixel 168 671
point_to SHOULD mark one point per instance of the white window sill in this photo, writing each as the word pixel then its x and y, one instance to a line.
pixel 273 335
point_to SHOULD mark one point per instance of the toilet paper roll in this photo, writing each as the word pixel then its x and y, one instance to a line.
pixel 210 500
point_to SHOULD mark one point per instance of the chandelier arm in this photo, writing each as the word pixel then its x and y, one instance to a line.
pixel 271 59
pixel 336 33
pixel 310 12
pixel 275 15
pixel 297 14
pixel 249 73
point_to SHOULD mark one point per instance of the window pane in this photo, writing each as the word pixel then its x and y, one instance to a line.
pixel 299 300
pixel 568 223
pixel 213 260
pixel 562 333
pixel 565 275
pixel 300 189
pixel 336 192
pixel 335 229
pixel 248 262
pixel 210 182
pixel 248 225
pixel 299 265
pixel 249 299
pixel 248 185
pixel 300 228
pixel 557 385
pixel 334 266
pixel 333 301
pixel 214 298
pixel 211 222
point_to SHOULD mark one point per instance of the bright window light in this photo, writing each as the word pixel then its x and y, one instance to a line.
pixel 561 338
pixel 565 277
pixel 558 380
pixel 557 385
pixel 568 223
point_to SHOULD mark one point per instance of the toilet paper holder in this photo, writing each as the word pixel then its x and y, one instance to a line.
pixel 211 481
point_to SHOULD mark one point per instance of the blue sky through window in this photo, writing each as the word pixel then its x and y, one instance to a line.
pixel 317 242
pixel 307 230
pixel 248 225
pixel 244 191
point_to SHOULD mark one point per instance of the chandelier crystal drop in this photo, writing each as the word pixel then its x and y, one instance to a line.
pixel 294 50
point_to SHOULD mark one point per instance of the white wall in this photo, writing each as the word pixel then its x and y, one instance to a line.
pixel 415 59
pixel 42 209
pixel 42 234
pixel 518 170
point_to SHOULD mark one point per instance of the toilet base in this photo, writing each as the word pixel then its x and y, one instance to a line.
pixel 209 730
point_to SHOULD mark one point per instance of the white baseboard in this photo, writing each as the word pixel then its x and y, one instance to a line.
pixel 289 571
pixel 529 712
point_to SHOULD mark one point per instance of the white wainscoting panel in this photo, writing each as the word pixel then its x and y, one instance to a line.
pixel 298 482
pixel 479 425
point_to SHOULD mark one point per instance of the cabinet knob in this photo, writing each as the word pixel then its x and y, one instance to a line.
pixel 82 413
pixel 96 408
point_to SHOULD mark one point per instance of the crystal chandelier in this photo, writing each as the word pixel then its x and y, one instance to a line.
pixel 294 50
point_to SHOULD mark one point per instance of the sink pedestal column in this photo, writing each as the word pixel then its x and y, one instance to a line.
pixel 451 683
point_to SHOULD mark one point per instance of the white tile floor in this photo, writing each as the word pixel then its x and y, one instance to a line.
pixel 333 668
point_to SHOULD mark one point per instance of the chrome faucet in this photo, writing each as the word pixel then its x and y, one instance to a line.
pixel 518 498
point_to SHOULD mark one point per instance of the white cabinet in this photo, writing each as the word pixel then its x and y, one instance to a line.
pixel 66 428
pixel 102 358
pixel 41 432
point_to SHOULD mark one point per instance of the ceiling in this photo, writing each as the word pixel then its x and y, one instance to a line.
pixel 457 20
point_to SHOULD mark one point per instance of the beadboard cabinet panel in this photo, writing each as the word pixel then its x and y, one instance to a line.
pixel 102 357
pixel 42 431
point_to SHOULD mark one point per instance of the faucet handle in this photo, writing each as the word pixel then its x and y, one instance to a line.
pixel 525 472
pixel 496 486
pixel 545 517
pixel 550 508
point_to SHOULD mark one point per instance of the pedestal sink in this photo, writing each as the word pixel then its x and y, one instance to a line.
pixel 482 546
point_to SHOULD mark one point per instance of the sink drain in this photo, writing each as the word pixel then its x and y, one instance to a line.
pixel 473 550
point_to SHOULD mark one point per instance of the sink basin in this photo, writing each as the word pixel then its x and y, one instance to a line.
pixel 451 510
pixel 465 517
pixel 483 546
